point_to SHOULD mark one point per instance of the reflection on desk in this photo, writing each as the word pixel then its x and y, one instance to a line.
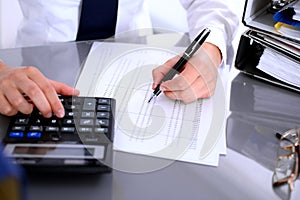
pixel 258 111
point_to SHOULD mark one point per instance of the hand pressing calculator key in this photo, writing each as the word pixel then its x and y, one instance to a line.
pixel 79 142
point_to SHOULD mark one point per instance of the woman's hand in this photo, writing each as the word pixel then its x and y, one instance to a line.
pixel 196 80
pixel 42 92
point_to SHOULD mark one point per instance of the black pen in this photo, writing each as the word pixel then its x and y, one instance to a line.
pixel 189 52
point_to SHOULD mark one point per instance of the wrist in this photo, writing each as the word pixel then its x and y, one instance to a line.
pixel 3 66
pixel 213 52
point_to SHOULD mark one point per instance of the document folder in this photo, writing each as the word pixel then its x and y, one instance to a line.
pixel 258 16
pixel 265 53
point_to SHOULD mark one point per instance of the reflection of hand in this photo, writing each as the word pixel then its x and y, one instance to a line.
pixel 14 82
pixel 197 79
pixel 33 150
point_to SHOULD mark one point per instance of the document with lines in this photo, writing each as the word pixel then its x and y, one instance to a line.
pixel 162 128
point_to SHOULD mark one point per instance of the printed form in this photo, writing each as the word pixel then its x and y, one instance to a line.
pixel 163 128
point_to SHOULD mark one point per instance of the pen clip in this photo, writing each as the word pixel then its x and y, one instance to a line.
pixel 198 41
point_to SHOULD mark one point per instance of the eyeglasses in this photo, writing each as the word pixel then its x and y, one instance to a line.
pixel 287 164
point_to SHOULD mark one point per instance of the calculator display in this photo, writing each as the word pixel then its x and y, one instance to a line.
pixel 55 151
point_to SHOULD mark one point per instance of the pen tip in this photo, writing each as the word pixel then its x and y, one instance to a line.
pixel 151 98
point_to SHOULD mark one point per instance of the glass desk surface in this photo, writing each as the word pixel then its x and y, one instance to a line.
pixel 258 110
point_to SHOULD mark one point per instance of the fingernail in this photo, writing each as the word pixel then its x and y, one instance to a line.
pixel 154 85
pixel 76 92
pixel 48 115
pixel 60 113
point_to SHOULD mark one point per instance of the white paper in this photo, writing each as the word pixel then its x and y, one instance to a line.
pixel 280 67
pixel 162 128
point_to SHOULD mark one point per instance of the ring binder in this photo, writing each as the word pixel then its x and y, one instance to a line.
pixel 262 49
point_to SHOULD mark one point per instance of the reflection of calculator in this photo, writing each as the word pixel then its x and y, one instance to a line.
pixel 79 142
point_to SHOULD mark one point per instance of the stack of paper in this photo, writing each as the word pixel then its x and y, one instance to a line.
pixel 280 67
pixel 164 128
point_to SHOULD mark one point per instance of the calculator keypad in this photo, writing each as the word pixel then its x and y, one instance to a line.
pixel 87 120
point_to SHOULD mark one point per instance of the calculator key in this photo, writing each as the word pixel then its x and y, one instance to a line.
pixel 89 104
pixel 102 122
pixel 68 122
pixel 36 128
pixel 51 129
pixel 104 101
pixel 102 115
pixel 88 114
pixel 101 130
pixel 75 100
pixel 34 135
pixel 37 121
pixel 53 121
pixel 86 122
pixel 22 121
pixel 71 114
pixel 68 129
pixel 62 100
pixel 13 134
pixel 103 108
pixel 72 107
pixel 85 130
pixel 18 128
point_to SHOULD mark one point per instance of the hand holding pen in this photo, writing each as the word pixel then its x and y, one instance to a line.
pixel 197 76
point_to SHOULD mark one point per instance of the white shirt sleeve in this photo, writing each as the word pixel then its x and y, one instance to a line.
pixel 215 15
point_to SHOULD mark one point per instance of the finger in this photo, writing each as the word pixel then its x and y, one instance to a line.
pixel 183 81
pixel 64 89
pixel 18 102
pixel 6 108
pixel 38 89
pixel 198 89
pixel 50 89
pixel 161 71
pixel 199 71
pixel 36 95
pixel 52 98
